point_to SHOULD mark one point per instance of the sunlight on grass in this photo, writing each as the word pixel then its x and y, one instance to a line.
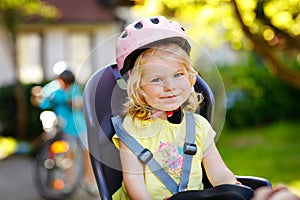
pixel 271 152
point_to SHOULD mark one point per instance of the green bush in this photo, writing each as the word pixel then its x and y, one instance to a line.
pixel 256 98
pixel 7 110
pixel 8 113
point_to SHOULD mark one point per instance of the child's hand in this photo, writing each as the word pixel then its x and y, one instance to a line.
pixel 238 183
pixel 278 193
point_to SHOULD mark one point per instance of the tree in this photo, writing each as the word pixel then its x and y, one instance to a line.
pixel 13 13
pixel 270 27
pixel 274 33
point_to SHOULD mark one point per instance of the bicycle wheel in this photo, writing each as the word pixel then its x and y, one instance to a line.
pixel 59 167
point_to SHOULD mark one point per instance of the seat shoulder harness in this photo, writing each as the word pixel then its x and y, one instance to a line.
pixel 145 156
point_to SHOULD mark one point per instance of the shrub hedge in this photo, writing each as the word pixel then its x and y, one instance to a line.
pixel 254 97
pixel 8 113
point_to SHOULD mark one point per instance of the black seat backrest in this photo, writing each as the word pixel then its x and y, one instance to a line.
pixel 102 100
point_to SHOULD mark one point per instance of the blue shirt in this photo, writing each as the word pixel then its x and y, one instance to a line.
pixel 60 100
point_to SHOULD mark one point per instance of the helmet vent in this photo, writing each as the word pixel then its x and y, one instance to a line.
pixel 138 25
pixel 124 35
pixel 154 20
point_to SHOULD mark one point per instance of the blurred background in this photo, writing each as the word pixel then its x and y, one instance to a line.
pixel 255 45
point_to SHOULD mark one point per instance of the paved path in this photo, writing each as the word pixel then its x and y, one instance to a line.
pixel 16 181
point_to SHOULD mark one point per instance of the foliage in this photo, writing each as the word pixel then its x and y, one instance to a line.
pixel 271 28
pixel 199 19
pixel 255 97
pixel 29 8
pixel 7 110
pixel 14 12
pixel 8 114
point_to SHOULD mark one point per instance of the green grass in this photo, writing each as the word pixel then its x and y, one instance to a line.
pixel 271 152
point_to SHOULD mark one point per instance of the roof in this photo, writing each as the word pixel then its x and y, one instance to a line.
pixel 82 11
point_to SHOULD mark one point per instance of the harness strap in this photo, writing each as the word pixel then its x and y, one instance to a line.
pixel 190 149
pixel 145 156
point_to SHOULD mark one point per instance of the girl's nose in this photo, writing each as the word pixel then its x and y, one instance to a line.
pixel 169 85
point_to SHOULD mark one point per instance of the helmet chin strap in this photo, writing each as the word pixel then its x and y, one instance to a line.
pixel 173 116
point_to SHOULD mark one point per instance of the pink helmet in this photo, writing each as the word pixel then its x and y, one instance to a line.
pixel 143 34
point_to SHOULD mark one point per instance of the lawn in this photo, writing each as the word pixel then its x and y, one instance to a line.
pixel 271 152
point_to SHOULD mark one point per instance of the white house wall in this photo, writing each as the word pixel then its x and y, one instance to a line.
pixel 55 47
pixel 103 47
pixel 6 66
pixel 101 52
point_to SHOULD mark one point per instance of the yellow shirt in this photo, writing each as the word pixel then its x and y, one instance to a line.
pixel 165 140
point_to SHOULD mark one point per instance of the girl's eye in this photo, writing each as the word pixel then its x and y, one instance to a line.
pixel 178 75
pixel 156 80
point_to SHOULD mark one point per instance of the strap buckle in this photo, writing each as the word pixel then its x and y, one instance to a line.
pixel 190 148
pixel 145 156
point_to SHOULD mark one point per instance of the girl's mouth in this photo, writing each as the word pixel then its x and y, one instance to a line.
pixel 169 97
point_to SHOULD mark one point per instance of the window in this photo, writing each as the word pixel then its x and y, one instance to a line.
pixel 29 58
pixel 78 51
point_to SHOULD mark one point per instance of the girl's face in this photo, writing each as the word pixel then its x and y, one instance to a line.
pixel 165 83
